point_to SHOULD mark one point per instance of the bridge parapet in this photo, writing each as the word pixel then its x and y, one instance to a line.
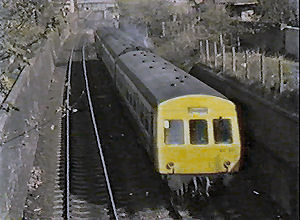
pixel 98 10
pixel 96 5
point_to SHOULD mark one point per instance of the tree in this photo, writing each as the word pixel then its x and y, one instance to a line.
pixel 23 26
pixel 279 12
pixel 145 11
pixel 215 20
pixel 209 18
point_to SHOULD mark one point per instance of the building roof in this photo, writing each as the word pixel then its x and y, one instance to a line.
pixel 237 2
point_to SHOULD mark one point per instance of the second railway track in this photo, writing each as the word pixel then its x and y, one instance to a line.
pixel 86 186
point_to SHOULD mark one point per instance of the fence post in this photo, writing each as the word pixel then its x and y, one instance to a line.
pixel 224 58
pixel 262 72
pixel 233 60
pixel 172 30
pixel 174 17
pixel 216 54
pixel 207 52
pixel 201 50
pixel 246 61
pixel 231 39
pixel 221 40
pixel 72 6
pixel 280 76
pixel 163 27
pixel 173 46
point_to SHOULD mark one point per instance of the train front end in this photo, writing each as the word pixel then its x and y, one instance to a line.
pixel 197 134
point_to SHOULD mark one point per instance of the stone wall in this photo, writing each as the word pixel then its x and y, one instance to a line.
pixel 20 122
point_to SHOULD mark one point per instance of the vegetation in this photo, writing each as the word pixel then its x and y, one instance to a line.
pixel 186 24
pixel 279 12
pixel 23 26
pixel 210 19
pixel 148 11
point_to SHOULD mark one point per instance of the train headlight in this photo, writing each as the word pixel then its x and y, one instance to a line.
pixel 166 124
pixel 170 165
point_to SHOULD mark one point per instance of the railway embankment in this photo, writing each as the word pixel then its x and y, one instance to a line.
pixel 22 117
pixel 271 139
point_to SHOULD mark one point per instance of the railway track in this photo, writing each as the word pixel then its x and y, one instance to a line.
pixel 88 192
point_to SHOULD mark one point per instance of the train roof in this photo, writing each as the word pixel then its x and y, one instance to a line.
pixel 160 80
pixel 117 42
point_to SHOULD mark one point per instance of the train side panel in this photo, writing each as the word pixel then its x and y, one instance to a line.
pixel 197 134
pixel 105 55
pixel 139 107
pixel 142 112
pixel 108 60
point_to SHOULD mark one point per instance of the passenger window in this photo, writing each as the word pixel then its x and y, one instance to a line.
pixel 198 132
pixel 127 95
pixel 151 123
pixel 134 102
pixel 173 131
pixel 222 131
pixel 142 117
pixel 146 120
pixel 131 99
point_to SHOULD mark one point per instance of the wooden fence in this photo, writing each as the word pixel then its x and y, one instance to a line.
pixel 274 73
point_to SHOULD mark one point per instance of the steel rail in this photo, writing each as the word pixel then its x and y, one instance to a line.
pixel 68 136
pixel 97 135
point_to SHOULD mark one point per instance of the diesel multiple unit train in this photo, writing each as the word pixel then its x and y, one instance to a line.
pixel 189 129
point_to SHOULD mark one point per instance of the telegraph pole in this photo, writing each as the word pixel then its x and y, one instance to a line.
pixel 72 6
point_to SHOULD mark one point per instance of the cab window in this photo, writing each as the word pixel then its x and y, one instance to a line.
pixel 198 132
pixel 173 132
pixel 222 131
